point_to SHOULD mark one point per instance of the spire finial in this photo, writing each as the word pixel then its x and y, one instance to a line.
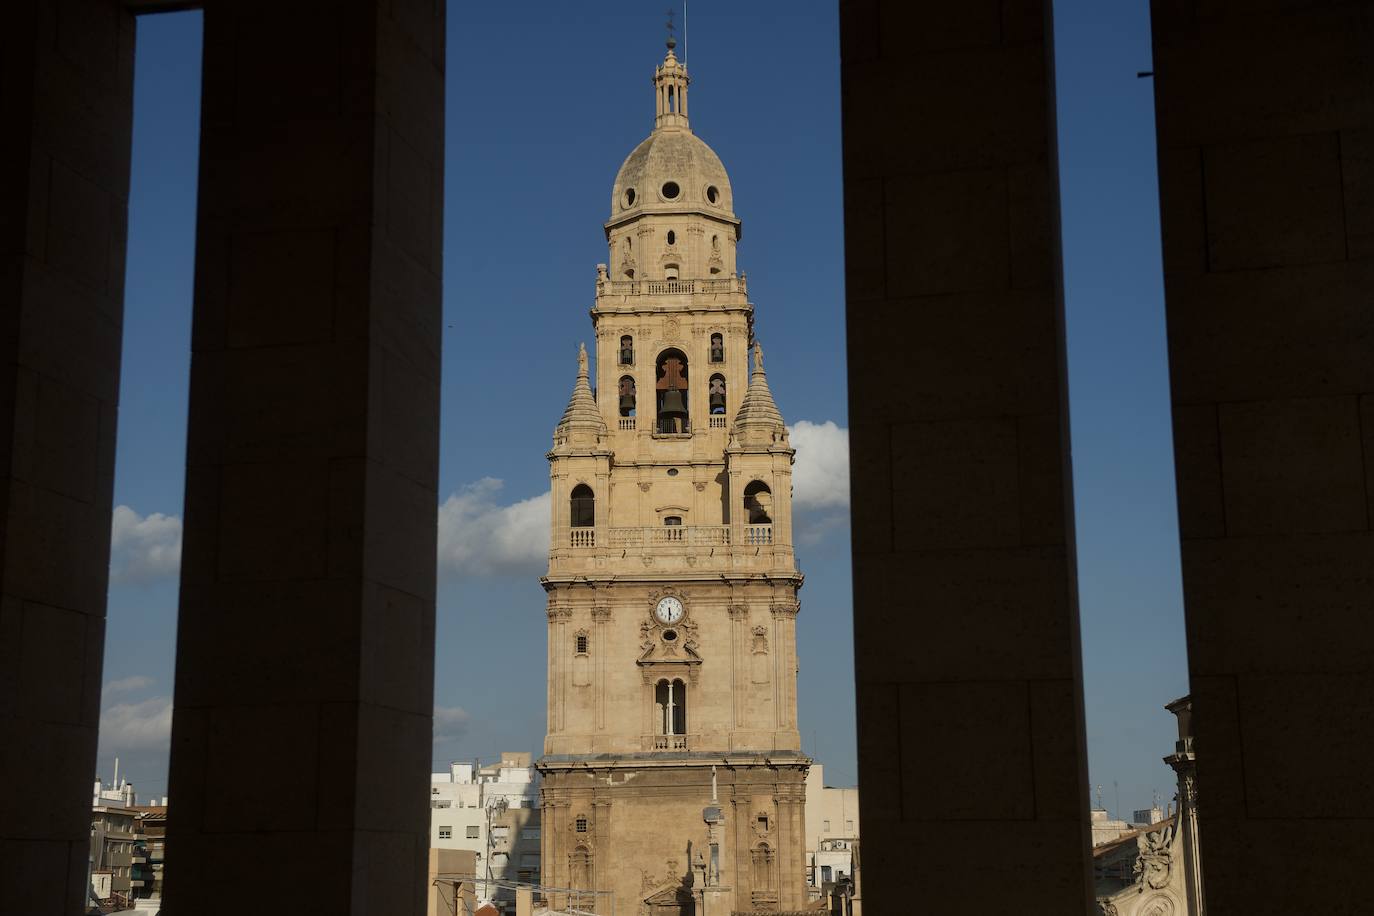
pixel 582 359
pixel 672 42
pixel 758 357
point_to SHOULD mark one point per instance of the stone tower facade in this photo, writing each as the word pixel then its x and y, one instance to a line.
pixel 672 771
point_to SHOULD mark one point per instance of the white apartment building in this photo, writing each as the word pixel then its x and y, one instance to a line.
pixel 460 800
pixel 832 829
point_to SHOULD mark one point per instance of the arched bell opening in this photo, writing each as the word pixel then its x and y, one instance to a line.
pixel 671 392
pixel 715 390
pixel 627 350
pixel 582 507
pixel 627 396
pixel 758 503
pixel 717 348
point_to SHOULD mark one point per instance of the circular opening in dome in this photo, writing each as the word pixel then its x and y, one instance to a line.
pixel 672 237
pixel 629 197
pixel 712 194
pixel 671 190
pixel 669 635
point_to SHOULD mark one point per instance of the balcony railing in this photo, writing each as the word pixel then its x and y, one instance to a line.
pixel 627 423
pixel 671 287
pixel 671 742
pixel 758 534
pixel 671 536
pixel 718 422
pixel 668 426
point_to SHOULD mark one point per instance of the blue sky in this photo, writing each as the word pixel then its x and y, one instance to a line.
pixel 530 160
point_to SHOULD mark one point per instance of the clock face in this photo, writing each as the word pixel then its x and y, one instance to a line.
pixel 669 610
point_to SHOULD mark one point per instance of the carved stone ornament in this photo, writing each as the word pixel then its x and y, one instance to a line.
pixel 645 487
pixel 762 823
pixel 1156 859
pixel 738 611
pixel 760 641
pixel 1157 906
pixel 700 485
pixel 1106 908
pixel 671 329
pixel 601 613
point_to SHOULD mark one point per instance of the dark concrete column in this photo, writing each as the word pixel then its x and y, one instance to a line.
pixel 966 632
pixel 1265 118
pixel 66 95
pixel 304 686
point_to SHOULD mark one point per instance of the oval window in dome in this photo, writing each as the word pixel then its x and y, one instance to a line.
pixel 671 190
pixel 712 194
pixel 672 237
pixel 629 197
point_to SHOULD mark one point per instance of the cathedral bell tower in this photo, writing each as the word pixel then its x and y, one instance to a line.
pixel 672 583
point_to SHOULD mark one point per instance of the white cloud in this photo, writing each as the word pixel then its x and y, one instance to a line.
pixel 126 685
pixel 820 478
pixel 146 725
pixel 143 549
pixel 479 537
pixel 450 722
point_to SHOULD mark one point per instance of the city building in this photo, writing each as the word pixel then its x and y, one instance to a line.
pixel 673 771
pixel 118 854
pixel 153 826
pixel 832 837
pixel 493 812
pixel 832 829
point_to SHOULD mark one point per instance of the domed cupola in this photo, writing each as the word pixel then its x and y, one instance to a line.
pixel 672 171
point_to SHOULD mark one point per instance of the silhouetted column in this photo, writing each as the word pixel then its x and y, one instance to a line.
pixel 301 731
pixel 966 632
pixel 1265 119
pixel 66 95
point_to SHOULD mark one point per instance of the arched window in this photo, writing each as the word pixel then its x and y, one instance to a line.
pixel 758 503
pixel 717 348
pixel 627 350
pixel 582 507
pixel 627 396
pixel 670 707
pixel 715 390
pixel 671 385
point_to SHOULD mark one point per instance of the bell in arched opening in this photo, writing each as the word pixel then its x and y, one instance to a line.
pixel 672 392
pixel 716 392
pixel 717 348
pixel 627 396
